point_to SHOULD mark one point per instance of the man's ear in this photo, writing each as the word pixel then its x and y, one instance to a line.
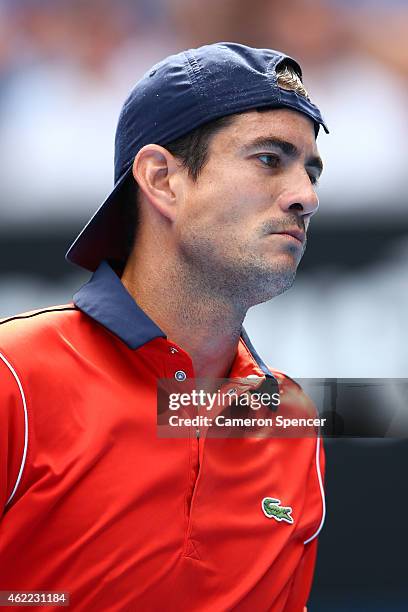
pixel 154 169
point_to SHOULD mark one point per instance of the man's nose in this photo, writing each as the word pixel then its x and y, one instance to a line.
pixel 303 199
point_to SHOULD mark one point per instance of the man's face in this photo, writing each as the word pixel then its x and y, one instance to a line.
pixel 241 227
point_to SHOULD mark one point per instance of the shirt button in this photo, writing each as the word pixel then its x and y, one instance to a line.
pixel 173 350
pixel 180 375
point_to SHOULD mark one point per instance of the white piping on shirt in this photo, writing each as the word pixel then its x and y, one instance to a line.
pixel 319 477
pixel 14 373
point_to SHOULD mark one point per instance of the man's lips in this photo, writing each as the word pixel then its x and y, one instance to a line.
pixel 295 233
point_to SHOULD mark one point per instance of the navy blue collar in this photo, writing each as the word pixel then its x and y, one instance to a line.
pixel 106 300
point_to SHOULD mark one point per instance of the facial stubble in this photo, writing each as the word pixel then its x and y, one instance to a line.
pixel 235 273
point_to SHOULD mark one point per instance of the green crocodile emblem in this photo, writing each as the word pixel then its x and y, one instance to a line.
pixel 272 509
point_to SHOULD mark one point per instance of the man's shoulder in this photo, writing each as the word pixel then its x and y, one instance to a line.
pixel 32 328
pixel 30 343
pixel 34 319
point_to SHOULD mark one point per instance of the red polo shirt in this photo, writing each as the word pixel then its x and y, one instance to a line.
pixel 94 503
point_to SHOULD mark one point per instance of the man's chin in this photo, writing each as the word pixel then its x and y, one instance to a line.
pixel 272 284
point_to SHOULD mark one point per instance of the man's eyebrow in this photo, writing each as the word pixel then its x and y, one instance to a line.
pixel 288 148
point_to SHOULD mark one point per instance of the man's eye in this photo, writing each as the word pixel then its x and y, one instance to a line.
pixel 269 160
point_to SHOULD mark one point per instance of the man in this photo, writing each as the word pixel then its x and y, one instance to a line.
pixel 215 167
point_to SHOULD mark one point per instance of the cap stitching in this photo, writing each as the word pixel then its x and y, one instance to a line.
pixel 194 70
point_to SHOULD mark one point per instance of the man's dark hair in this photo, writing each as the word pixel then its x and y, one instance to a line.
pixel 192 150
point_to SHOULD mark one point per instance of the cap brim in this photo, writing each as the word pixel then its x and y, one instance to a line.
pixel 104 236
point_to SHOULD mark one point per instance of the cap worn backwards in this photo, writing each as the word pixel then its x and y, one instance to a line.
pixel 178 94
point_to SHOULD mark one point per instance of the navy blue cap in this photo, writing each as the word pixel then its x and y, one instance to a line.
pixel 174 97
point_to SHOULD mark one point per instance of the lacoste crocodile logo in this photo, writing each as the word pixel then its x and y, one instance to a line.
pixel 272 509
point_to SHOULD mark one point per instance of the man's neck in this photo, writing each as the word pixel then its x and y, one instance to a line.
pixel 207 327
